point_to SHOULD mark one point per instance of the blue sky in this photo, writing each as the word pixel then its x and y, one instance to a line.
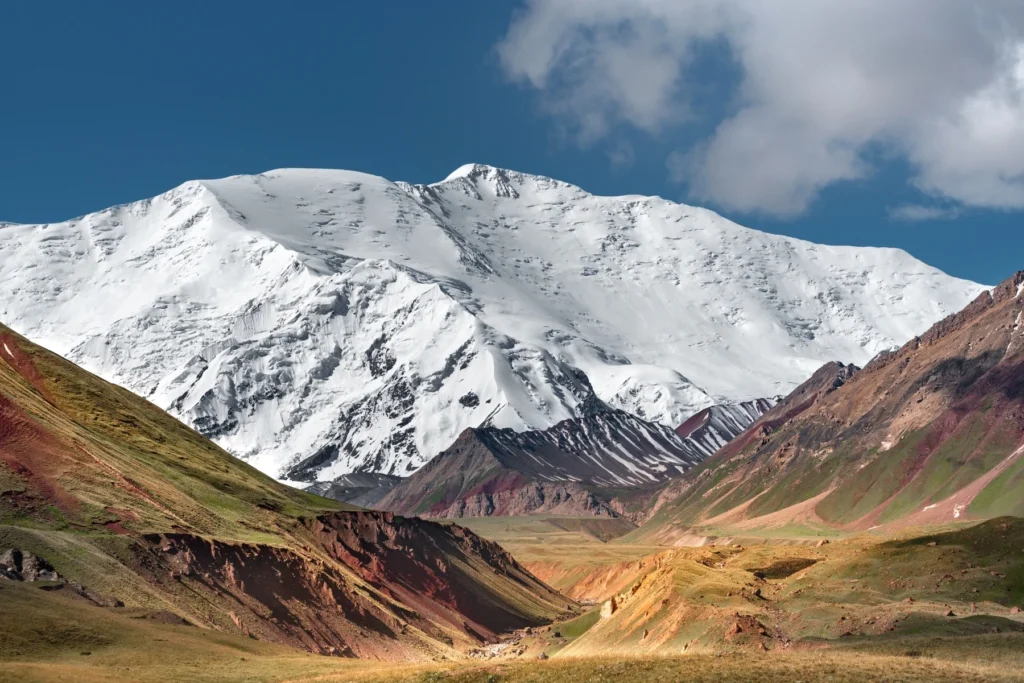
pixel 117 101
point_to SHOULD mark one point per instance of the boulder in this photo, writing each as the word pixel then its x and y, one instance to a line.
pixel 20 565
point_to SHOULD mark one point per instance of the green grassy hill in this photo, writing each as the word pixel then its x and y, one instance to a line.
pixel 136 511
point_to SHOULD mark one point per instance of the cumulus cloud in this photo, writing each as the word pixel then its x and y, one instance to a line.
pixel 825 88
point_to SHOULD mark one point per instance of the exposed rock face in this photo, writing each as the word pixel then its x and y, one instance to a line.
pixel 578 467
pixel 427 571
pixel 609 608
pixel 18 565
pixel 428 566
pixel 930 432
pixel 276 594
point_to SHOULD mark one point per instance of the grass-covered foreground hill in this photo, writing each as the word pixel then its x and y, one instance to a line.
pixel 121 513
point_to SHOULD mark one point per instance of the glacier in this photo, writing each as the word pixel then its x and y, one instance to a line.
pixel 355 324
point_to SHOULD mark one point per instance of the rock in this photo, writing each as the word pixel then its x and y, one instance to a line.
pixel 542 656
pixel 822 542
pixel 19 565
pixel 1015 610
pixel 950 613
pixel 932 544
pixel 646 633
pixel 908 599
pixel 609 608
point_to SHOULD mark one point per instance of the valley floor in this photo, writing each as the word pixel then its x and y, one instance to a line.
pixel 942 606
pixel 139 650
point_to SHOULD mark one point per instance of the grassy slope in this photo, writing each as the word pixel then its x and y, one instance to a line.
pixel 562 551
pixel 121 459
pixel 859 590
pixel 88 470
pixel 547 529
pixel 72 641
pixel 86 465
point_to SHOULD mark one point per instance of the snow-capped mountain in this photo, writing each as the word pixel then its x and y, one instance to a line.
pixel 574 468
pixel 365 323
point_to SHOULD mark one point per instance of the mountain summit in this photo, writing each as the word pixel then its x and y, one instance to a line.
pixel 351 323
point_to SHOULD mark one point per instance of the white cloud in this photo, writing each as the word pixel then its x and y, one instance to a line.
pixel 913 213
pixel 621 155
pixel 824 85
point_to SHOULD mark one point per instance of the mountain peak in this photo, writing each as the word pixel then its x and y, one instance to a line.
pixel 377 321
pixel 498 181
pixel 470 171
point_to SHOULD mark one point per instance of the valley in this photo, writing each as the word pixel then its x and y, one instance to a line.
pixel 385 487
pixel 128 538
pixel 933 607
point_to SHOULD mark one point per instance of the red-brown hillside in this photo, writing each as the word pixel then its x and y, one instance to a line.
pixel 136 511
pixel 930 432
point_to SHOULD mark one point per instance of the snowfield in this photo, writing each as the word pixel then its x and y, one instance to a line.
pixel 351 323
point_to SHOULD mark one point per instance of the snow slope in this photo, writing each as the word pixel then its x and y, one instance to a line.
pixel 713 427
pixel 303 313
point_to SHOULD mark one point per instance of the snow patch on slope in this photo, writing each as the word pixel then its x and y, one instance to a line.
pixel 607 449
